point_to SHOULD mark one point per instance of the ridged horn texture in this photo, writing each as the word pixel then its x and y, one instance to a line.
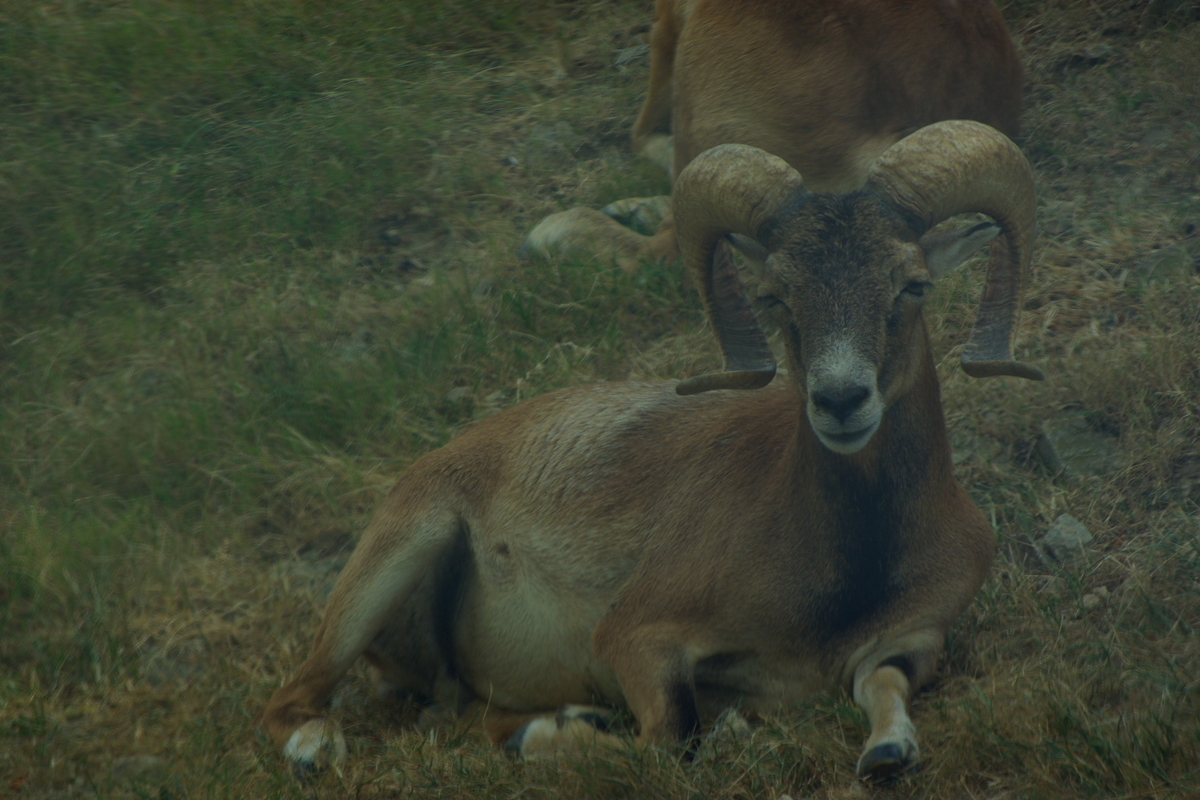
pixel 956 167
pixel 732 188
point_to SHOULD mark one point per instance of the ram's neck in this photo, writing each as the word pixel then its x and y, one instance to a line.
pixel 869 505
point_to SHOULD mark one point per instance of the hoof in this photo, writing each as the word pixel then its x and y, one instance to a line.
pixel 315 746
pixel 886 762
pixel 643 214
pixel 570 729
pixel 533 739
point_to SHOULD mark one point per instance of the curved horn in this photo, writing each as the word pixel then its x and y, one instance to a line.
pixel 954 167
pixel 732 188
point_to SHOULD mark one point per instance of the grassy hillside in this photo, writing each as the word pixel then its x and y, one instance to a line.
pixel 256 257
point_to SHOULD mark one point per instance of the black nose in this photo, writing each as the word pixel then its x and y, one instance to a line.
pixel 842 401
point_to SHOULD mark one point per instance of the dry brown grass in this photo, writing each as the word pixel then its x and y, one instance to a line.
pixel 137 622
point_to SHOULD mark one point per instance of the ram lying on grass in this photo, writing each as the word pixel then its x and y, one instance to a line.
pixel 826 86
pixel 642 543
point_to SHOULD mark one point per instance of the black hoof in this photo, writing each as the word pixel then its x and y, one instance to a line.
pixel 304 771
pixel 512 747
pixel 884 763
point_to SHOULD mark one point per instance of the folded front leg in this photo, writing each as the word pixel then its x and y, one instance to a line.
pixel 891 749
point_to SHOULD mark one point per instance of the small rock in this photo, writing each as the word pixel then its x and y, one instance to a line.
pixel 459 394
pixel 136 767
pixel 500 397
pixel 1091 601
pixel 1049 584
pixel 728 732
pixel 1043 448
pixel 630 54
pixel 484 288
pixel 1066 539
pixel 1076 447
pixel 1166 263
pixel 1058 216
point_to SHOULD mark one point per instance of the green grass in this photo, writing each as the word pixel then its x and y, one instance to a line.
pixel 257 257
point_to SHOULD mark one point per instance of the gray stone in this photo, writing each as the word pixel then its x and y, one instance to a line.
pixel 1049 584
pixel 728 735
pixel 1069 443
pixel 500 397
pixel 485 288
pixel 631 54
pixel 1058 217
pixel 459 395
pixel 1066 539
pixel 1165 264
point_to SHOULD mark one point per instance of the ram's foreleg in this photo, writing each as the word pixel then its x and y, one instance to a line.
pixel 884 684
pixel 652 131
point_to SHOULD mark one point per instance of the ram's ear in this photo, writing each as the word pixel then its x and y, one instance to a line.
pixel 946 250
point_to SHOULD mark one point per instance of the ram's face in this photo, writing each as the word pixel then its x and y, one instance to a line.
pixel 847 282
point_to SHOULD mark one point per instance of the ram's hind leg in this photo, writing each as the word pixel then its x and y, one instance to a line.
pixel 394 567
pixel 656 675
pixel 586 233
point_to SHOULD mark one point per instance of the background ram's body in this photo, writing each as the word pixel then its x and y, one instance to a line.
pixel 687 511
pixel 828 86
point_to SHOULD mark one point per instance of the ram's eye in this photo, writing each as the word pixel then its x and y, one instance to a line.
pixel 917 288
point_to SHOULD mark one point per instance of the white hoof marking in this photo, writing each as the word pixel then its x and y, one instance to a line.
pixel 316 745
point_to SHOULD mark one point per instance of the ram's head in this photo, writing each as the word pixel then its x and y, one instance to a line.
pixel 846 273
